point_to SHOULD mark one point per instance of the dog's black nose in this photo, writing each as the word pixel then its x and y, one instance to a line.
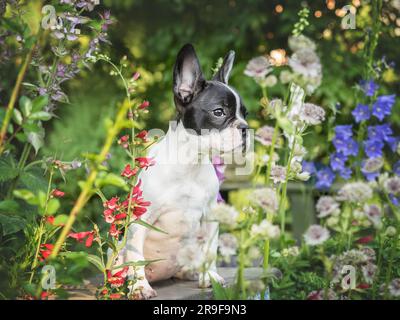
pixel 243 126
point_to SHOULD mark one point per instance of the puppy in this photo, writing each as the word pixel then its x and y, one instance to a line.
pixel 182 185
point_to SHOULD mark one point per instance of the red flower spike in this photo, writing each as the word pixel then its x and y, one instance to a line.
pixel 365 240
pixel 80 236
pixel 114 232
pixel 124 141
pixel 144 162
pixel 120 216
pixel 363 286
pixel 142 135
pixel 109 216
pixel 115 296
pixel 112 204
pixel 50 220
pixel 128 172
pixel 117 279
pixel 57 193
pixel 45 251
pixel 144 105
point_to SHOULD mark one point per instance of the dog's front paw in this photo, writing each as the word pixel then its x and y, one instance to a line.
pixel 205 279
pixel 142 291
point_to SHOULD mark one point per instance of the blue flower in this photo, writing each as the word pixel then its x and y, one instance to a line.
pixel 346 146
pixel 361 113
pixel 373 148
pixel 380 132
pixel 393 142
pixel 383 106
pixel 369 87
pixel 394 200
pixel 345 173
pixel 309 167
pixel 344 131
pixel 325 178
pixel 337 161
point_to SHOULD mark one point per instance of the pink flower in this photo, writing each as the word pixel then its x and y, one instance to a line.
pixel 136 76
pixel 112 204
pixel 114 232
pixel 144 162
pixel 142 135
pixel 45 251
pixel 57 193
pixel 124 141
pixel 365 240
pixel 109 215
pixel 117 279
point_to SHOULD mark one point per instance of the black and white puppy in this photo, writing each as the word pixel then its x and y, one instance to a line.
pixel 182 186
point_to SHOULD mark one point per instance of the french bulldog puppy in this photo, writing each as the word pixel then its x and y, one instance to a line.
pixel 182 186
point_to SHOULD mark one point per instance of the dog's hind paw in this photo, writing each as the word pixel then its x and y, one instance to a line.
pixel 205 279
pixel 142 291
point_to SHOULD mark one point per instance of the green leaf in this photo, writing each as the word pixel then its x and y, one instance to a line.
pixel 26 105
pixel 17 116
pixel 219 291
pixel 110 179
pixel 39 103
pixel 8 169
pixel 96 261
pixel 40 115
pixel 11 224
pixel 36 139
pixel 148 225
pixel 9 206
pixel 60 219
pixel 26 195
pixel 140 263
pixel 33 179
pixel 53 206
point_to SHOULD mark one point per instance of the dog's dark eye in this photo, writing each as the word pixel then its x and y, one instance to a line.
pixel 219 112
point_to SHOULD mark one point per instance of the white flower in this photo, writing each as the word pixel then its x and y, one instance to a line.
pixel 355 192
pixel 291 251
pixel 306 63
pixel 394 287
pixel 374 214
pixel 227 245
pixel 224 214
pixel 258 68
pixel 265 229
pixel 264 135
pixel 301 42
pixel 392 185
pixel 266 198
pixel 265 158
pixel 368 272
pixel 278 174
pixel 312 114
pixel 316 235
pixel 303 176
pixel 326 206
pixel 372 164
pixel 270 81
pixel 285 76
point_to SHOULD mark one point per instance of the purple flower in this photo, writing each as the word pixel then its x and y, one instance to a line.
pixel 369 87
pixel 383 106
pixel 380 132
pixel 395 200
pixel 361 113
pixel 346 146
pixel 373 148
pixel 309 167
pixel 325 178
pixel 337 161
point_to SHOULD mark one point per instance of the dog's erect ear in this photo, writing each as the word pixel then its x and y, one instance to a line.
pixel 224 72
pixel 188 77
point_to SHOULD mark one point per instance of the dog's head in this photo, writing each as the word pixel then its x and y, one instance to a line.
pixel 211 108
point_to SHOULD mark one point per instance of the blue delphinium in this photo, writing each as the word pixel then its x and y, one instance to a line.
pixel 337 161
pixel 309 167
pixel 361 113
pixel 383 106
pixel 325 178
pixel 369 87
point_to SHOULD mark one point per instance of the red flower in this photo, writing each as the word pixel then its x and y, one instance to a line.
pixel 117 279
pixel 114 232
pixel 120 216
pixel 57 193
pixel 80 236
pixel 46 250
pixel 50 220
pixel 142 135
pixel 365 240
pixel 145 104
pixel 44 295
pixel 128 172
pixel 112 204
pixel 115 296
pixel 144 162
pixel 363 286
